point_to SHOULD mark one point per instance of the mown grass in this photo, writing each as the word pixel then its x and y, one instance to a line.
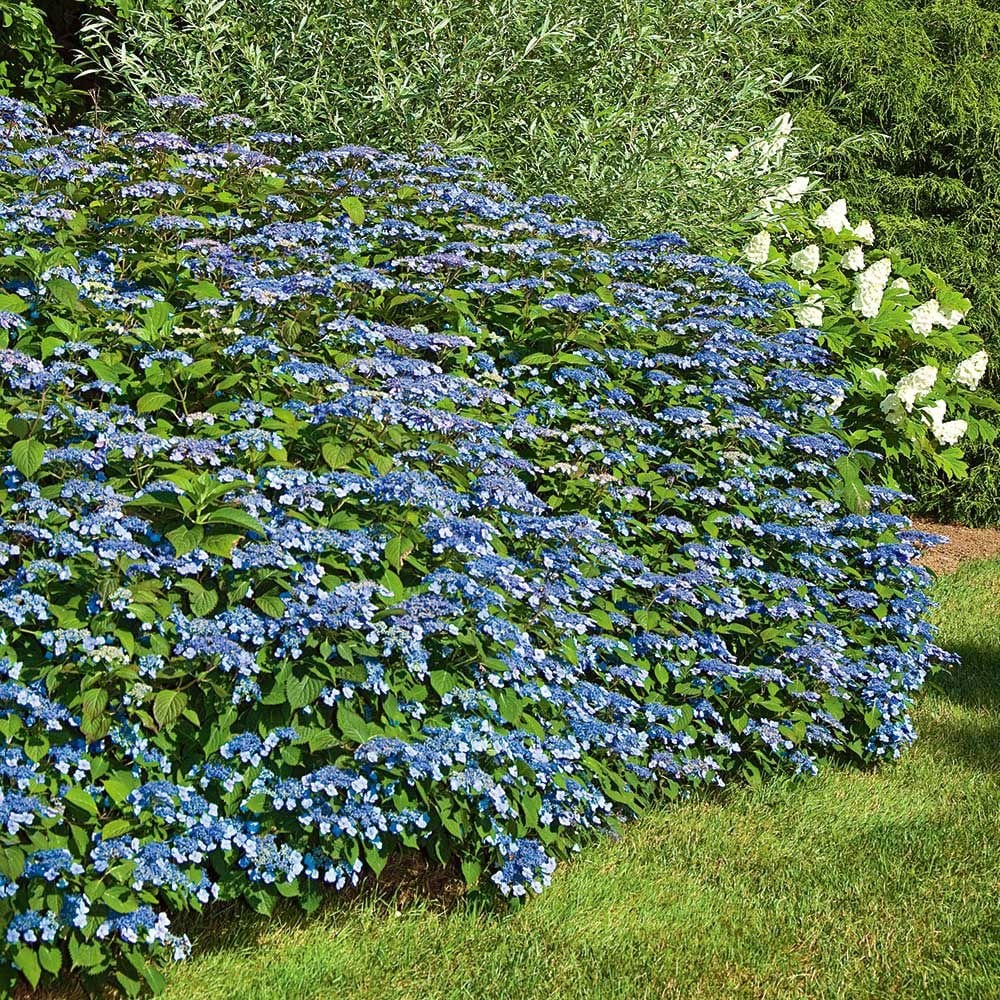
pixel 850 885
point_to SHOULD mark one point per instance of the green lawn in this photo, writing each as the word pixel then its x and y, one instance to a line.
pixel 851 885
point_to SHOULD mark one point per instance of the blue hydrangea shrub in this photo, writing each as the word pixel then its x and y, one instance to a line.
pixel 350 504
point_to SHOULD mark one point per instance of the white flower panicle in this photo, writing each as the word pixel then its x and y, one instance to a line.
pixel 970 372
pixel 853 260
pixel 863 231
pixel 870 287
pixel 922 317
pixel 916 385
pixel 790 194
pixel 934 414
pixel 951 432
pixel 945 432
pixel 758 248
pixel 902 284
pixel 835 217
pixel 771 150
pixel 809 312
pixel 805 260
pixel 927 315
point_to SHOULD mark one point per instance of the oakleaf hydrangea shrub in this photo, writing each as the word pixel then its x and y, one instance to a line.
pixel 350 505
pixel 895 329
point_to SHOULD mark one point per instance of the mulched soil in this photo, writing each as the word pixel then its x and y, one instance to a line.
pixel 963 545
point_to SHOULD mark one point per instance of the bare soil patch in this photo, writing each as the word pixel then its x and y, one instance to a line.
pixel 963 545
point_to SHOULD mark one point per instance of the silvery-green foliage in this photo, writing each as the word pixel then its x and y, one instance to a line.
pixel 625 105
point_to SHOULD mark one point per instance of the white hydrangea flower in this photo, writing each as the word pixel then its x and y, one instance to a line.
pixel 970 372
pixel 810 312
pixel 853 260
pixel 836 403
pixel 902 284
pixel 771 150
pixel 934 414
pixel 923 317
pixel 835 217
pixel 805 260
pixel 892 407
pixel 870 287
pixel 864 232
pixel 951 432
pixel 946 432
pixel 951 319
pixel 916 385
pixel 790 194
pixel 758 248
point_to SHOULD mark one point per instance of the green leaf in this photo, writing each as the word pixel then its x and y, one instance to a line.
pixel 220 545
pixel 396 551
pixel 853 492
pixel 168 705
pixel 354 209
pixel 26 960
pixel 82 800
pixel 238 518
pixel 302 691
pixel 153 401
pixel 203 601
pixel 27 456
pixel 352 727
pixel 64 292
pixel 115 828
pixel 184 540
pixel 94 701
pixel 337 455
pixel 472 868
pixel 273 607
pixel 50 958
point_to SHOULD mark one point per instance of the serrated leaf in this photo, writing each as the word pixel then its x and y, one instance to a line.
pixel 302 691
pixel 27 456
pixel 354 209
pixel 238 518
pixel 352 727
pixel 115 828
pixel 853 492
pixel 168 705
pixel 64 292
pixel 220 545
pixel 184 540
pixel 396 551
pixel 472 868
pixel 337 455
pixel 26 960
pixel 94 701
pixel 50 958
pixel 273 607
pixel 82 800
pixel 152 401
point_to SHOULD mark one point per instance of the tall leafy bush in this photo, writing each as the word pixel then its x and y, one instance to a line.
pixel 350 503
pixel 903 116
pixel 625 105
pixel 30 63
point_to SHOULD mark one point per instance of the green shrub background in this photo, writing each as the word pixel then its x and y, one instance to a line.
pixel 31 66
pixel 625 105
pixel 903 117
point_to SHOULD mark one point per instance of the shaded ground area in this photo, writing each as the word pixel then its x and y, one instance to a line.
pixel 963 545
